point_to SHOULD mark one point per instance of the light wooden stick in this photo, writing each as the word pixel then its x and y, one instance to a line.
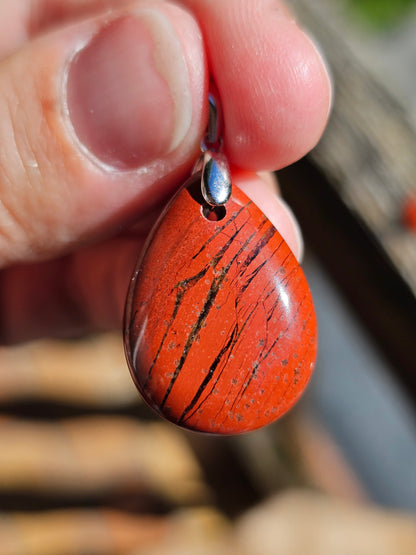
pixel 91 372
pixel 96 455
pixel 75 532
pixel 204 531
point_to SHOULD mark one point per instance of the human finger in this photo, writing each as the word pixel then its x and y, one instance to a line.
pixel 99 121
pixel 274 86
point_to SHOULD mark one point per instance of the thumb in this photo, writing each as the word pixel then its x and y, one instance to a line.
pixel 98 121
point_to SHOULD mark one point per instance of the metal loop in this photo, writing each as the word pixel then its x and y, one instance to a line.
pixel 215 179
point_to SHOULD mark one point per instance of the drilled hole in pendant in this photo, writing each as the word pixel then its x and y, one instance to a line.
pixel 213 213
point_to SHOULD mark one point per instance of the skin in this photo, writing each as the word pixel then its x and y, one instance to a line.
pixel 71 228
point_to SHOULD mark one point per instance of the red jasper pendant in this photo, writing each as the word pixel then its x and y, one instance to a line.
pixel 220 329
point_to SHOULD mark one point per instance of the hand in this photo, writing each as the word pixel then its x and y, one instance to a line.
pixel 102 108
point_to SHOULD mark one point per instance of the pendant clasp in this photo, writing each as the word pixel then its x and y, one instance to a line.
pixel 216 176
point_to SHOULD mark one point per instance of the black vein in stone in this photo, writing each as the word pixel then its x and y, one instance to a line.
pixel 212 293
pixel 227 349
pixel 183 286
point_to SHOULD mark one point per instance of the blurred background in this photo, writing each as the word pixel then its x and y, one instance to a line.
pixel 86 468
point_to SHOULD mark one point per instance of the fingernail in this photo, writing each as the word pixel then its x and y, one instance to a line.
pixel 128 91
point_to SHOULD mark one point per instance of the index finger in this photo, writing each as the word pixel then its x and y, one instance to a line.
pixel 274 86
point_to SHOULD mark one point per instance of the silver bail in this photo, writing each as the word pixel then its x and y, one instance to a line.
pixel 216 176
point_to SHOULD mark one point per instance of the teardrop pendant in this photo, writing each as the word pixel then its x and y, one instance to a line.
pixel 220 331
